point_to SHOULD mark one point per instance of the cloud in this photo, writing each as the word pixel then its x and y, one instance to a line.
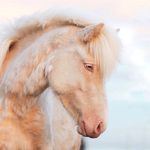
pixel 117 9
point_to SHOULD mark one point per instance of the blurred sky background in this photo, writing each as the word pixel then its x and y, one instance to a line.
pixel 128 89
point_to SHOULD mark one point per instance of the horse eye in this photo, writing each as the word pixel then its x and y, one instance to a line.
pixel 89 67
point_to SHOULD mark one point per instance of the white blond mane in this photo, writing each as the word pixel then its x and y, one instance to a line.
pixel 104 48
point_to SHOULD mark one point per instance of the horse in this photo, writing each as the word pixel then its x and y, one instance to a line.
pixel 53 68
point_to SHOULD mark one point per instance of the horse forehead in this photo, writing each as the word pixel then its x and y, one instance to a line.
pixel 76 53
pixel 83 52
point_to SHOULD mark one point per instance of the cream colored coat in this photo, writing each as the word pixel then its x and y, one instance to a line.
pixel 47 86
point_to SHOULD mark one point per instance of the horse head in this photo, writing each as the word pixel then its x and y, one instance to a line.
pixel 78 75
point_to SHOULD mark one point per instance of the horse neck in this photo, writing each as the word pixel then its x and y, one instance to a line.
pixel 26 78
pixel 30 59
pixel 30 42
pixel 18 48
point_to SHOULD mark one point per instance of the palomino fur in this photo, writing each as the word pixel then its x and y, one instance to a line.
pixel 28 53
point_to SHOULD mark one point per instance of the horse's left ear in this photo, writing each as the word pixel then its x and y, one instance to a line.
pixel 91 32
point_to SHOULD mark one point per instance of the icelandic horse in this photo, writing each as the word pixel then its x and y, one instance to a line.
pixel 53 68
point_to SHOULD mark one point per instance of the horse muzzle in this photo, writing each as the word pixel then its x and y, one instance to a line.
pixel 91 128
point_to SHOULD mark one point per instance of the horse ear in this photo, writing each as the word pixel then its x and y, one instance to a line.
pixel 91 32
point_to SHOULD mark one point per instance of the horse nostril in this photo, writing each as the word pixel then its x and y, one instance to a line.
pixel 91 128
pixel 98 128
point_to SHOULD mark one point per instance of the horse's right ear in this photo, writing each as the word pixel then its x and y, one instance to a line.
pixel 91 32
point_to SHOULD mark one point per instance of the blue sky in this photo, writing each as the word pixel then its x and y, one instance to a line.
pixel 128 89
